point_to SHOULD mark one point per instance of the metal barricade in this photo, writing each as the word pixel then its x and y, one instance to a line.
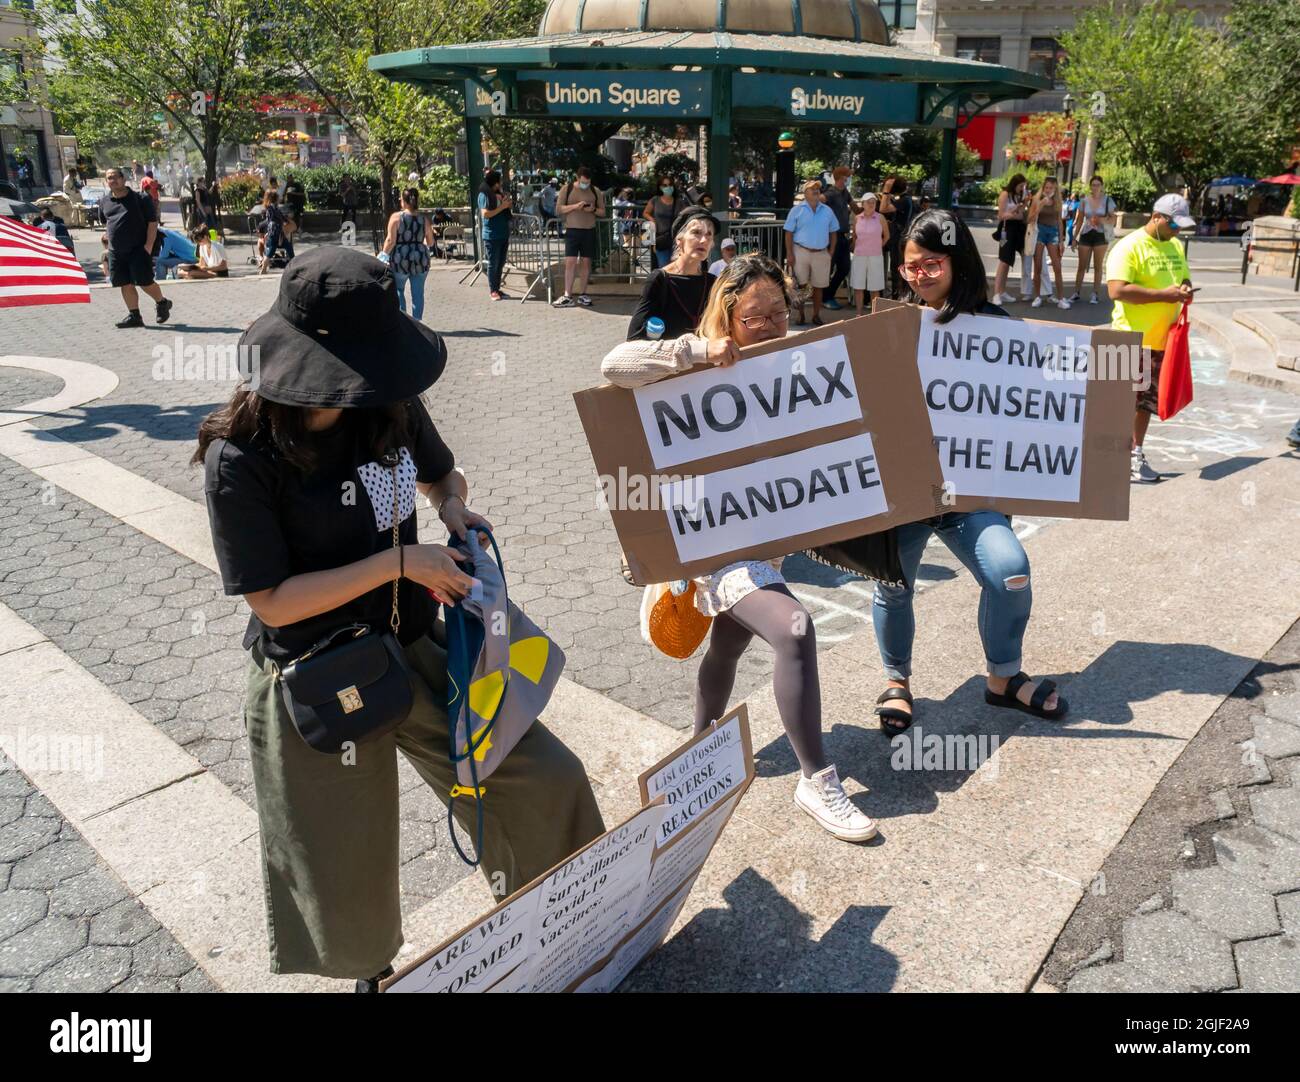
pixel 766 235
pixel 531 252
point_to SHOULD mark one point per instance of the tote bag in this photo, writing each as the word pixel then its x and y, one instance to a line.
pixel 1175 389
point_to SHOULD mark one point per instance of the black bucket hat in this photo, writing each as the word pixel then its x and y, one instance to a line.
pixel 689 214
pixel 335 336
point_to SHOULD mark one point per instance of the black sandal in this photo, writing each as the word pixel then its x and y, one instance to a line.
pixel 1035 704
pixel 892 714
pixel 626 571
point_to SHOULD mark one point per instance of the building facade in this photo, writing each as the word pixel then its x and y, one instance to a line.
pixel 1021 34
pixel 29 150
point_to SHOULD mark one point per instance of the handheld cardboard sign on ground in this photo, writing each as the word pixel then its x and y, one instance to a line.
pixel 587 923
pixel 814 438
pixel 1029 417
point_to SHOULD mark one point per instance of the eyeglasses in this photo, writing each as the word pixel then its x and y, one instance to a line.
pixel 925 268
pixel 757 323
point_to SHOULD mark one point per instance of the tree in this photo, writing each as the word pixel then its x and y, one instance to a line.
pixel 332 40
pixel 1264 36
pixel 98 122
pixel 1042 138
pixel 1159 85
pixel 201 63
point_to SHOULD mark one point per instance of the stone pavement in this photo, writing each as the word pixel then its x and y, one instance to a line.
pixel 136 608
pixel 1203 893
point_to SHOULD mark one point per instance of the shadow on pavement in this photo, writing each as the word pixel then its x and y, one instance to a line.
pixel 91 423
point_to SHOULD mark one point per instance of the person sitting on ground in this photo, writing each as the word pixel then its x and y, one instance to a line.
pixel 176 249
pixel 727 249
pixel 212 261
pixel 751 303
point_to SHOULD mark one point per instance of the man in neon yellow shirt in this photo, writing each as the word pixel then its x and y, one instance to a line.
pixel 1149 282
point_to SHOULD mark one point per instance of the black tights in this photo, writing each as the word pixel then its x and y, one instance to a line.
pixel 775 616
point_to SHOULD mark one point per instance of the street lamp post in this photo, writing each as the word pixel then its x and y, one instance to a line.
pixel 1074 140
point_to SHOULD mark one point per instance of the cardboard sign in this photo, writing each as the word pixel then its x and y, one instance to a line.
pixel 589 921
pixel 1029 417
pixel 817 437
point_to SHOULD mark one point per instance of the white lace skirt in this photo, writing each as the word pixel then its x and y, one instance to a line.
pixel 718 592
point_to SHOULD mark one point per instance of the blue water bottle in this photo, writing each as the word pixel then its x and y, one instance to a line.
pixel 654 328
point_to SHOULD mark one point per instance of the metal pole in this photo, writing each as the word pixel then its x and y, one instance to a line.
pixel 947 164
pixel 720 140
pixel 473 169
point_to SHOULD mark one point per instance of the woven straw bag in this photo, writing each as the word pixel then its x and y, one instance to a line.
pixel 676 626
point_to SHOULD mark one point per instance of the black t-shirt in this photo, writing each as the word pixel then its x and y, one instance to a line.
pixel 838 200
pixel 678 299
pixel 126 220
pixel 271 522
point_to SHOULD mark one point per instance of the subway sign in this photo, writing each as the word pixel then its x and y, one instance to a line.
pixel 835 101
pixel 615 94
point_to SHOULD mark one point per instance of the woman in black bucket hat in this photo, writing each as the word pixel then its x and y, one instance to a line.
pixel 311 474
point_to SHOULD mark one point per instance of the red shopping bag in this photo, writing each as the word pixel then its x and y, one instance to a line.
pixel 1175 370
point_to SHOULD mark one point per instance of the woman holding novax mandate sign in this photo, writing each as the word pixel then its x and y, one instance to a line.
pixel 749 304
pixel 944 269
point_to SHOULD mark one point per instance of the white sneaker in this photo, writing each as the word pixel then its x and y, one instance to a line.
pixel 1140 471
pixel 1002 298
pixel 1076 298
pixel 1037 302
pixel 822 796
pixel 1063 304
pixel 1092 299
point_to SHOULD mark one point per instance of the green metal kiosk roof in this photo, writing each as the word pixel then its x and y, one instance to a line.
pixel 627 49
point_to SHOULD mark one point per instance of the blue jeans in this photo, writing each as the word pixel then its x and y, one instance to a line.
pixel 162 266
pixel 986 544
pixel 496 260
pixel 417 292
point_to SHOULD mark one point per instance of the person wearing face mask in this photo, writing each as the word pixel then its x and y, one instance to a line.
pixel 1148 279
pixel 663 210
pixel 579 204
pixel 750 304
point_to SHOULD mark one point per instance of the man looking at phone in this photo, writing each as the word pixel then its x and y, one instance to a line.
pixel 579 205
pixel 1148 279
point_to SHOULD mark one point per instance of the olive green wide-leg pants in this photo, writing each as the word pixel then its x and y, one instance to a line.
pixel 329 823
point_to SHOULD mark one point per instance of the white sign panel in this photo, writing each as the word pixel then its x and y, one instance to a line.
pixel 1006 402
pixel 794 494
pixel 679 863
pixel 702 776
pixel 754 401
pixel 589 903
pixel 631 953
pixel 481 956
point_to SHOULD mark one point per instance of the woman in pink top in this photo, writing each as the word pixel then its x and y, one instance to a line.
pixel 870 235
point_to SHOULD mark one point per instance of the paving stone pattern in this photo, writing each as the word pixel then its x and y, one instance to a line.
pixel 1231 921
pixel 67 923
pixel 158 631
pixel 19 386
pixel 505 407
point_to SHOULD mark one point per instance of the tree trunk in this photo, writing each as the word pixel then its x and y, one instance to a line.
pixel 386 185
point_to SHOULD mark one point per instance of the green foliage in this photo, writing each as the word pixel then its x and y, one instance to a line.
pixel 239 191
pixel 806 169
pixel 1128 185
pixel 682 166
pixel 913 173
pixel 1264 37
pixel 984 193
pixel 1154 82
pixel 113 131
pixel 1295 203
pixel 442 186
pixel 327 178
pixel 332 40
pixel 203 64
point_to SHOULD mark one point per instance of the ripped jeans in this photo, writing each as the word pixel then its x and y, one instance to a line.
pixel 986 544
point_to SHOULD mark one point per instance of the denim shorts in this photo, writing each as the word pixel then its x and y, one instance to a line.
pixel 1049 234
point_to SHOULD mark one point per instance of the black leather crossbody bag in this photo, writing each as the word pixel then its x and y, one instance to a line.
pixel 354 684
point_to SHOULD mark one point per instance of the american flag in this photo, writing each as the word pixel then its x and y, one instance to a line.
pixel 37 269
